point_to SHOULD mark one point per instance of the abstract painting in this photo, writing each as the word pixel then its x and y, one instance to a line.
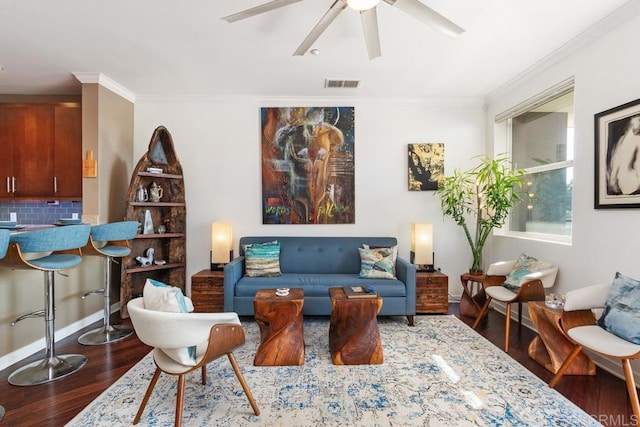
pixel 426 166
pixel 308 165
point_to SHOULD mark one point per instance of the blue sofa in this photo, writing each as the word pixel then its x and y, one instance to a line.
pixel 316 264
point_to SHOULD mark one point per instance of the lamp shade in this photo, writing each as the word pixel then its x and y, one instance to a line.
pixel 422 243
pixel 221 242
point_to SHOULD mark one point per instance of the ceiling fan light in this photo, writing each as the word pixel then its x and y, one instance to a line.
pixel 362 4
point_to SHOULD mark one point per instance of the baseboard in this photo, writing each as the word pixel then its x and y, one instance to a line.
pixel 38 345
pixel 609 365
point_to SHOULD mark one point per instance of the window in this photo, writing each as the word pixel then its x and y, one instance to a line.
pixel 538 134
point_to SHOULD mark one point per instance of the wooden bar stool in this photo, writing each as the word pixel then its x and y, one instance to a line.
pixel 61 248
pixel 109 241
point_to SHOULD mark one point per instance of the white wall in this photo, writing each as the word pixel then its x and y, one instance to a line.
pixel 218 144
pixel 604 241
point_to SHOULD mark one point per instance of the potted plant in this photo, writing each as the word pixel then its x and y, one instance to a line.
pixel 483 195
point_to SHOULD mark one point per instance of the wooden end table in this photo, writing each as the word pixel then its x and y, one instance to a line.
pixel 432 292
pixel 551 346
pixel 354 337
pixel 207 291
pixel 281 328
pixel 473 296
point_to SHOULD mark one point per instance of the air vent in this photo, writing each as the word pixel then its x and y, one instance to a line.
pixel 334 83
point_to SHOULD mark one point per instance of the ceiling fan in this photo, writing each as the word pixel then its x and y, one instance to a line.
pixel 367 9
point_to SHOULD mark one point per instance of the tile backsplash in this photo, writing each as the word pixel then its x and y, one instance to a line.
pixel 39 212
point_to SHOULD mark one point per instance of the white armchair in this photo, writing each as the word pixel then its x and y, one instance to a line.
pixel 530 287
pixel 213 334
pixel 595 338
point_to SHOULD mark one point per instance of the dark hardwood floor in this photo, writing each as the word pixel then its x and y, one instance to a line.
pixel 603 396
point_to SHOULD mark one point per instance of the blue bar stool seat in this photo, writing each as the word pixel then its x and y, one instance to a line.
pixel 109 241
pixel 4 244
pixel 52 249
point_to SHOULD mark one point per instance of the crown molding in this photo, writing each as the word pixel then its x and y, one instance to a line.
pixel 609 23
pixel 106 82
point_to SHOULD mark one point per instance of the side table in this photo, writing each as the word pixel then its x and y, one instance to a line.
pixel 473 296
pixel 281 328
pixel 207 291
pixel 551 346
pixel 432 292
pixel 354 337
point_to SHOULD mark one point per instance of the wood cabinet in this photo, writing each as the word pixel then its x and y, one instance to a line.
pixel 207 291
pixel 41 151
pixel 169 245
pixel 432 293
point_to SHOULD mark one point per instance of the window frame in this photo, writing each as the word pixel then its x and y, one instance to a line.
pixel 503 143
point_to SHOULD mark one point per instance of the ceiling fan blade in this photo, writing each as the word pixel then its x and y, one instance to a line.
pixel 322 25
pixel 275 4
pixel 424 13
pixel 370 25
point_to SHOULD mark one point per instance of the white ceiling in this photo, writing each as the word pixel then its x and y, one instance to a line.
pixel 183 48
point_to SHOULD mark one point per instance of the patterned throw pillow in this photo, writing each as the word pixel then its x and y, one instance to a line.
pixel 262 259
pixel 162 297
pixel 524 265
pixel 377 263
pixel 393 248
pixel 621 314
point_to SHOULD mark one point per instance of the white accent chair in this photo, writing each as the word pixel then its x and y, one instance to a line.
pixel 531 288
pixel 214 334
pixel 594 338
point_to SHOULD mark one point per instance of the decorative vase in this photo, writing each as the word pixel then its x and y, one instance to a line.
pixel 148 223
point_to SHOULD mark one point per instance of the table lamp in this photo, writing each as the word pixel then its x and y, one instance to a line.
pixel 221 245
pixel 422 246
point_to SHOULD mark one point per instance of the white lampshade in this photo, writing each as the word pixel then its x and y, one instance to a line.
pixel 362 4
pixel 422 243
pixel 221 242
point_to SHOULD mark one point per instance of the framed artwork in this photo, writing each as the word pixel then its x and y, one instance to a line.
pixel 308 165
pixel 426 166
pixel 617 157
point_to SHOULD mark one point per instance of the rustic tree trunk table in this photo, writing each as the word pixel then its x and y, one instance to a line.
pixel 281 328
pixel 551 346
pixel 354 337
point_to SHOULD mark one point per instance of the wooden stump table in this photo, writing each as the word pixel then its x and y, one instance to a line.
pixel 281 328
pixel 551 346
pixel 473 296
pixel 354 337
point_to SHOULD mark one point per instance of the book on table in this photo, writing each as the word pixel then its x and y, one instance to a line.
pixel 359 292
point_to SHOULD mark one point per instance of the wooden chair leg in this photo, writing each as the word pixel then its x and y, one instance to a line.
pixel 204 374
pixel 631 387
pixel 147 395
pixel 519 314
pixel 565 365
pixel 243 383
pixel 507 328
pixel 179 400
pixel 484 309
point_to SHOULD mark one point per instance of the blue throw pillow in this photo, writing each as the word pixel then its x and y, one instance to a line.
pixel 621 314
pixel 262 259
pixel 524 266
pixel 377 263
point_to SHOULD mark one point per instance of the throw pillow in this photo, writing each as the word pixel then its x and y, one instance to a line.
pixel 621 314
pixel 393 248
pixel 262 259
pixel 524 266
pixel 162 297
pixel 377 263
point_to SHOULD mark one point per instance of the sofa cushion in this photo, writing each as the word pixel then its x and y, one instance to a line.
pixel 318 284
pixel 621 314
pixel 377 263
pixel 262 259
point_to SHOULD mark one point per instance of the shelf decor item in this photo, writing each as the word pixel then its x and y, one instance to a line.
pixel 156 193
pixel 480 199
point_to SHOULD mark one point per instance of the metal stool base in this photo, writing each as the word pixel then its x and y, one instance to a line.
pixel 105 335
pixel 47 370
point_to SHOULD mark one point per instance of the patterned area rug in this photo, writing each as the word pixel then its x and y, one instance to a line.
pixel 438 373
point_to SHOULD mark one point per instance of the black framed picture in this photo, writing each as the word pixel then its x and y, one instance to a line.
pixel 617 157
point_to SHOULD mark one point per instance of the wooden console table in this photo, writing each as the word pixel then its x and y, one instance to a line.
pixel 551 346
